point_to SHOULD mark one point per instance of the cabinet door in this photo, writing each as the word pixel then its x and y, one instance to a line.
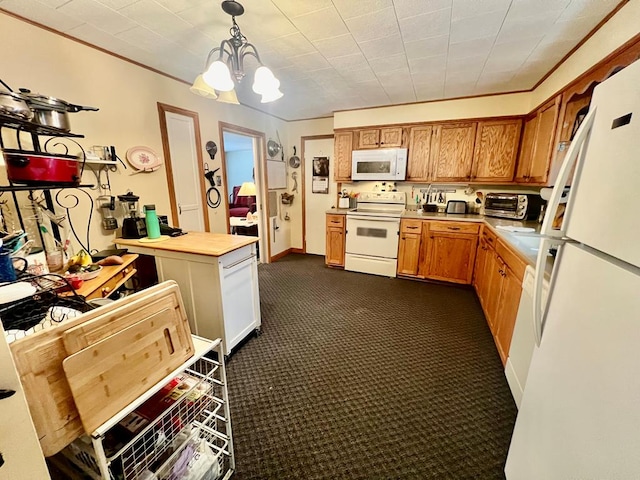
pixel 409 254
pixel 419 153
pixel 479 282
pixel 335 246
pixel 545 142
pixel 511 288
pixel 343 146
pixel 496 149
pixel 493 279
pixel 452 152
pixel 369 138
pixel 451 257
pixel 526 149
pixel 391 137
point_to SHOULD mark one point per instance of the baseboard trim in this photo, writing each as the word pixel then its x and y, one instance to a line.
pixel 296 250
pixel 278 256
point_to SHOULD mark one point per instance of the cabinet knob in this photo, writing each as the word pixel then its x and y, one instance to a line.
pixel 105 291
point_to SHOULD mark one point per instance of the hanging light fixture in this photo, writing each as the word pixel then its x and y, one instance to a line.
pixel 226 63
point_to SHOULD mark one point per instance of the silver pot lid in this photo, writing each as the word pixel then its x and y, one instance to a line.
pixel 273 148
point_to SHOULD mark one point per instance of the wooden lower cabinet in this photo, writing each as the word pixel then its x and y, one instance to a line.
pixel 438 250
pixel 451 257
pixel 409 254
pixel 498 283
pixel 334 255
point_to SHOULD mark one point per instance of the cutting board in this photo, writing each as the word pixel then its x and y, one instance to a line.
pixel 113 321
pixel 110 374
pixel 38 359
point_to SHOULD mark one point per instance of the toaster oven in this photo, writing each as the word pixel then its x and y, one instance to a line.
pixel 515 206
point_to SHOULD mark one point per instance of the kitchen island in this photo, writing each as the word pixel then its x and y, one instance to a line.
pixel 218 279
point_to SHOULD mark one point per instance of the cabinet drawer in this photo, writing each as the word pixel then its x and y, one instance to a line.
pixel 411 226
pixel 512 259
pixel 489 237
pixel 108 287
pixel 455 227
pixel 335 220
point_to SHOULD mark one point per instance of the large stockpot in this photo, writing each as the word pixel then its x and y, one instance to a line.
pixel 32 168
pixel 50 111
pixel 14 105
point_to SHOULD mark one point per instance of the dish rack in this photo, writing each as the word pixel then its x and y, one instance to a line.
pixel 51 290
pixel 164 446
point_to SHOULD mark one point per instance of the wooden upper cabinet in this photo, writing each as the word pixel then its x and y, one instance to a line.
pixel 545 142
pixel 369 138
pixel 387 137
pixel 343 146
pixel 452 152
pixel 526 148
pixel 496 149
pixel 419 153
pixel 539 144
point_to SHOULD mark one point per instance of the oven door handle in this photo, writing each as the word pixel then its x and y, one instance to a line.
pixel 374 219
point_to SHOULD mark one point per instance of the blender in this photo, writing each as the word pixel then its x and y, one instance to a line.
pixel 133 226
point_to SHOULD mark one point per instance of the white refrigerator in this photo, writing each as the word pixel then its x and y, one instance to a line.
pixel 580 412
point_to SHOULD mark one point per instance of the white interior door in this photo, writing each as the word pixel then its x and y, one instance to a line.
pixel 19 444
pixel 317 204
pixel 184 163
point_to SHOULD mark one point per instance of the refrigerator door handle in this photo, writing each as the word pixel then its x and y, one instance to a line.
pixel 573 154
pixel 538 313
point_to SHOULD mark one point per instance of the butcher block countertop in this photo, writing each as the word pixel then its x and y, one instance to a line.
pixel 199 243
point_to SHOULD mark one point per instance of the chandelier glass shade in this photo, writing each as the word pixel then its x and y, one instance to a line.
pixel 224 66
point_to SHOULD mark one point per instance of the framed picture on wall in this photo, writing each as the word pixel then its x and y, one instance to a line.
pixel 320 179
pixel 320 166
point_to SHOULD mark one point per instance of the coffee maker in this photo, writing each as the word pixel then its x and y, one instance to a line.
pixel 133 226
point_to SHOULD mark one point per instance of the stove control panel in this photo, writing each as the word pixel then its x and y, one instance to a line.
pixel 382 197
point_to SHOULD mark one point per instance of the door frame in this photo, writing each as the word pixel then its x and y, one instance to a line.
pixel 304 181
pixel 260 149
pixel 163 108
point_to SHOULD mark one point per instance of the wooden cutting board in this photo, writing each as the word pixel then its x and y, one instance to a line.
pixel 113 321
pixel 110 374
pixel 39 358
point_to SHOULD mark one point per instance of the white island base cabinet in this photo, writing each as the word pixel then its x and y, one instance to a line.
pixel 220 293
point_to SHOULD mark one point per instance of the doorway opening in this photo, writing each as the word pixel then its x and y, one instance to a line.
pixel 242 164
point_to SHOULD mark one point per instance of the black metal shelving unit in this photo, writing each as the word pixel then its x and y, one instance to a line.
pixel 35 130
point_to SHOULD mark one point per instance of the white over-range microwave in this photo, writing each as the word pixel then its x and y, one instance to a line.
pixel 379 164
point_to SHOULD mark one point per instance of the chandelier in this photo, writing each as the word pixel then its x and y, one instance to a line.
pixel 226 63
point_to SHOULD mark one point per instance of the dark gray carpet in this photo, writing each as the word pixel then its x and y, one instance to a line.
pixel 364 377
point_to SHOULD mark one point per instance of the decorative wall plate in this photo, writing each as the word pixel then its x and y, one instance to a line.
pixel 143 159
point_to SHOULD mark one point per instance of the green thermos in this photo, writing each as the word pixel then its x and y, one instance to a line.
pixel 151 219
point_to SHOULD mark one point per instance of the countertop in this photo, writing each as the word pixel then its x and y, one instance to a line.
pixel 338 211
pixel 199 243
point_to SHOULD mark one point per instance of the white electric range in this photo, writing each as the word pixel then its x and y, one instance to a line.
pixel 373 229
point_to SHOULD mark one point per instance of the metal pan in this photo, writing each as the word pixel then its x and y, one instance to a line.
pixel 294 162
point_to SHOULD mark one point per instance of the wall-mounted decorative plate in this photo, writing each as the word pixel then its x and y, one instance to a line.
pixel 143 159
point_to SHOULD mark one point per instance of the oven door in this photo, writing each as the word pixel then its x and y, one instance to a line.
pixel 506 205
pixel 373 236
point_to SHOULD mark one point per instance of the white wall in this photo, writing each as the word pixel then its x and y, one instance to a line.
pixel 295 131
pixel 239 168
pixel 488 106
